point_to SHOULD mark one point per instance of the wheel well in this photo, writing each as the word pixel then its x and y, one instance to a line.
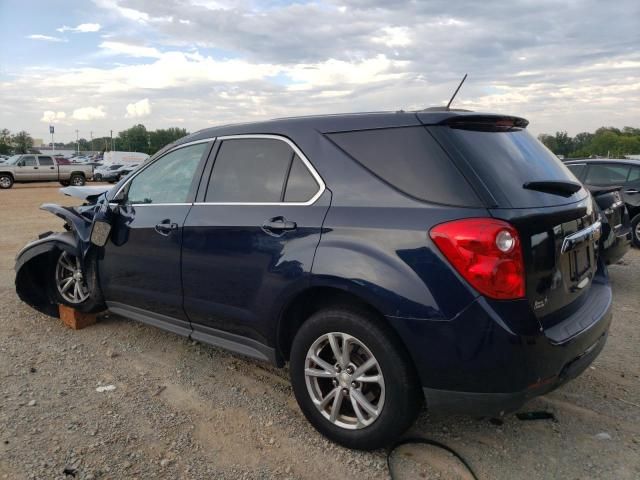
pixel 7 173
pixel 307 303
pixel 76 173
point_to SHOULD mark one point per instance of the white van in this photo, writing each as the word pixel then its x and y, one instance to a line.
pixel 124 157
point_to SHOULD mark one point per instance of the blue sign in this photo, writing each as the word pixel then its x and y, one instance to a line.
pixel 51 129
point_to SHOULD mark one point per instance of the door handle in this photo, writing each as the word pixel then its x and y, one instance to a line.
pixel 166 227
pixel 631 191
pixel 278 226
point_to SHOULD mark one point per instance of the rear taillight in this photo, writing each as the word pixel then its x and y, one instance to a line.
pixel 486 252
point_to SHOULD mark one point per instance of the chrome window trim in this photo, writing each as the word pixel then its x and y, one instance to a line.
pixel 144 167
pixel 316 176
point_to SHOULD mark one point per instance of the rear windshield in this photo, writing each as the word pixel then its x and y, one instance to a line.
pixel 504 160
pixel 410 160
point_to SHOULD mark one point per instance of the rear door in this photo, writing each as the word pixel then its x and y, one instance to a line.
pixel 528 186
pixel 47 168
pixel 250 239
pixel 141 271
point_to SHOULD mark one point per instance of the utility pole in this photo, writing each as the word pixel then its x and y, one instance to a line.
pixel 77 142
pixel 53 145
pixel 91 135
pixel 112 140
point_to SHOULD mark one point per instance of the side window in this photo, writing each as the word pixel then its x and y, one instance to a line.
pixel 606 174
pixel 46 161
pixel 634 175
pixel 251 170
pixel 577 169
pixel 168 179
pixel 29 161
pixel 301 186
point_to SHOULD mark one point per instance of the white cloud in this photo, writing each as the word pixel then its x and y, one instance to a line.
pixel 82 28
pixel 46 38
pixel 50 116
pixel 138 109
pixel 88 113
pixel 128 13
pixel 394 37
pixel 119 48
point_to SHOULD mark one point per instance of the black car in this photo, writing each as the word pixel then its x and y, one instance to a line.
pixel 390 258
pixel 615 241
pixel 614 172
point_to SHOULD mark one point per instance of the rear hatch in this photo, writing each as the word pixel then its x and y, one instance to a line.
pixel 523 183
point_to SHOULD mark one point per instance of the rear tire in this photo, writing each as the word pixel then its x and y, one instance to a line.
pixel 77 180
pixel 635 230
pixel 73 286
pixel 361 409
pixel 6 181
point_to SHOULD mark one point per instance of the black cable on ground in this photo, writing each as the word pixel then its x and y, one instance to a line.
pixel 427 441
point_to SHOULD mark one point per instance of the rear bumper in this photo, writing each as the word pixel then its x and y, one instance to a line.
pixel 500 403
pixel 494 356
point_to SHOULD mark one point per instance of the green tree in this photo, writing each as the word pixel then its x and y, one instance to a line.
pixel 134 139
pixel 22 141
pixel 5 141
pixel 164 136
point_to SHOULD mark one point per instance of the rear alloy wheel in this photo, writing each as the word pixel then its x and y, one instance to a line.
pixel 353 378
pixel 77 180
pixel 70 280
pixel 348 390
pixel 6 181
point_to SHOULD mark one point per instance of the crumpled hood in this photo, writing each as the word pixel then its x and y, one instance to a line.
pixel 88 193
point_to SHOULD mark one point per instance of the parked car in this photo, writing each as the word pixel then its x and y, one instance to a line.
pixel 388 257
pixel 61 160
pixel 615 241
pixel 41 168
pixel 614 172
pixel 114 173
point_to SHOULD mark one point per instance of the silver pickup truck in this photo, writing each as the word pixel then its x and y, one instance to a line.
pixel 42 168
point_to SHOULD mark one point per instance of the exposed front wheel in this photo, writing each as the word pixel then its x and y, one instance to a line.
pixel 74 285
pixel 353 380
pixel 6 181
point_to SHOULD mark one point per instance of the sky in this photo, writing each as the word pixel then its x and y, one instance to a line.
pixel 102 65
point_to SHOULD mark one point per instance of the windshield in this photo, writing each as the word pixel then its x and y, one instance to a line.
pixel 114 167
pixel 13 159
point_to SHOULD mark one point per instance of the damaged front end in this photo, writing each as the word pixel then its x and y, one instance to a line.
pixel 86 226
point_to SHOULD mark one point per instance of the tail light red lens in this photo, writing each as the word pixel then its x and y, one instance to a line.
pixel 486 252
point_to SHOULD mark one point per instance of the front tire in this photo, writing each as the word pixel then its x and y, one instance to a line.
pixel 353 379
pixel 635 230
pixel 6 181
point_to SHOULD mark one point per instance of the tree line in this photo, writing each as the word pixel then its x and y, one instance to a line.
pixel 134 139
pixel 604 142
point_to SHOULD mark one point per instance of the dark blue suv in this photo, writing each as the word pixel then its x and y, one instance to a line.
pixel 390 258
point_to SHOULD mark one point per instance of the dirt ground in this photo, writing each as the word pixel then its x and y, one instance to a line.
pixel 185 410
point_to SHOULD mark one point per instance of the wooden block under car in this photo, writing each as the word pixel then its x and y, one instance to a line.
pixel 72 318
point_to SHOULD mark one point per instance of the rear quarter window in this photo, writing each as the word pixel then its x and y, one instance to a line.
pixel 410 160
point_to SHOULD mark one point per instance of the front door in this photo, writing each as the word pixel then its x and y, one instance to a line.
pixel 252 238
pixel 140 272
pixel 27 169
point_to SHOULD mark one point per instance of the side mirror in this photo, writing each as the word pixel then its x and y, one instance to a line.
pixel 20 163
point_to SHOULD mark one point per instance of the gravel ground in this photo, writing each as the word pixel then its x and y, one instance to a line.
pixel 185 410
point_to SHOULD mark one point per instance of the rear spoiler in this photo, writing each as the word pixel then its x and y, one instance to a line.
pixel 485 122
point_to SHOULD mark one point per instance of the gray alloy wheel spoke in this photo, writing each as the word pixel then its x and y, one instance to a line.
pixel 70 280
pixel 344 380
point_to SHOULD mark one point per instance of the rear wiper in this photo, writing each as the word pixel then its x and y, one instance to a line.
pixel 562 188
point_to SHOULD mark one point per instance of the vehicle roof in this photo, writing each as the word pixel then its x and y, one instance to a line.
pixel 628 161
pixel 339 122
